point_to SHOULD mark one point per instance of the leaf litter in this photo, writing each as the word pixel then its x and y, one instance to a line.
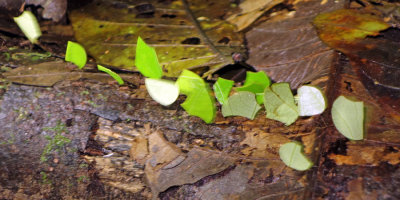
pixel 289 50
pixel 192 35
pixel 49 73
pixel 374 59
pixel 250 11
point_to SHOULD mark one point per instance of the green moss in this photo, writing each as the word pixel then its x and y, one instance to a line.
pixel 59 128
pixel 22 113
pixel 4 68
pixel 7 56
pixel 83 165
pixel 60 94
pixel 102 97
pixel 45 178
pixel 82 178
pixel 92 103
pixel 85 92
pixel 57 142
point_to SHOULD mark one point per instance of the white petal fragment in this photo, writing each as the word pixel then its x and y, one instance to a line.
pixel 165 92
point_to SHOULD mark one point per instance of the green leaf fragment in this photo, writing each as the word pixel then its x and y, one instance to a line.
pixel 279 103
pixel 222 88
pixel 311 101
pixel 199 101
pixel 165 92
pixel 241 104
pixel 348 117
pixel 76 54
pixel 255 82
pixel 111 73
pixel 260 98
pixel 146 60
pixel 29 25
pixel 291 154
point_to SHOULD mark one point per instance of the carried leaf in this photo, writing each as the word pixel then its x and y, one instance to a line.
pixel 111 73
pixel 29 25
pixel 279 103
pixel 311 101
pixel 146 60
pixel 292 155
pixel 222 88
pixel 199 102
pixel 165 92
pixel 76 54
pixel 348 117
pixel 241 104
pixel 256 82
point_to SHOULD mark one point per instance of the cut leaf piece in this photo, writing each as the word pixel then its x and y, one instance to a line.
pixel 311 101
pixel 256 82
pixel 292 155
pixel 348 117
pixel 260 98
pixel 222 88
pixel 165 92
pixel 76 54
pixel 27 22
pixel 147 61
pixel 199 101
pixel 279 103
pixel 111 73
pixel 241 104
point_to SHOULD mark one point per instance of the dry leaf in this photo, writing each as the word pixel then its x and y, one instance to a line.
pixel 366 155
pixel 52 9
pixel 262 144
pixel 198 164
pixel 290 50
pixel 49 73
pixel 309 142
pixel 188 34
pixel 162 152
pixel 251 10
pixel 356 191
pixel 139 149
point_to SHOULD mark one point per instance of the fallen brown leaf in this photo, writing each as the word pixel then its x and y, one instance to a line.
pixel 366 155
